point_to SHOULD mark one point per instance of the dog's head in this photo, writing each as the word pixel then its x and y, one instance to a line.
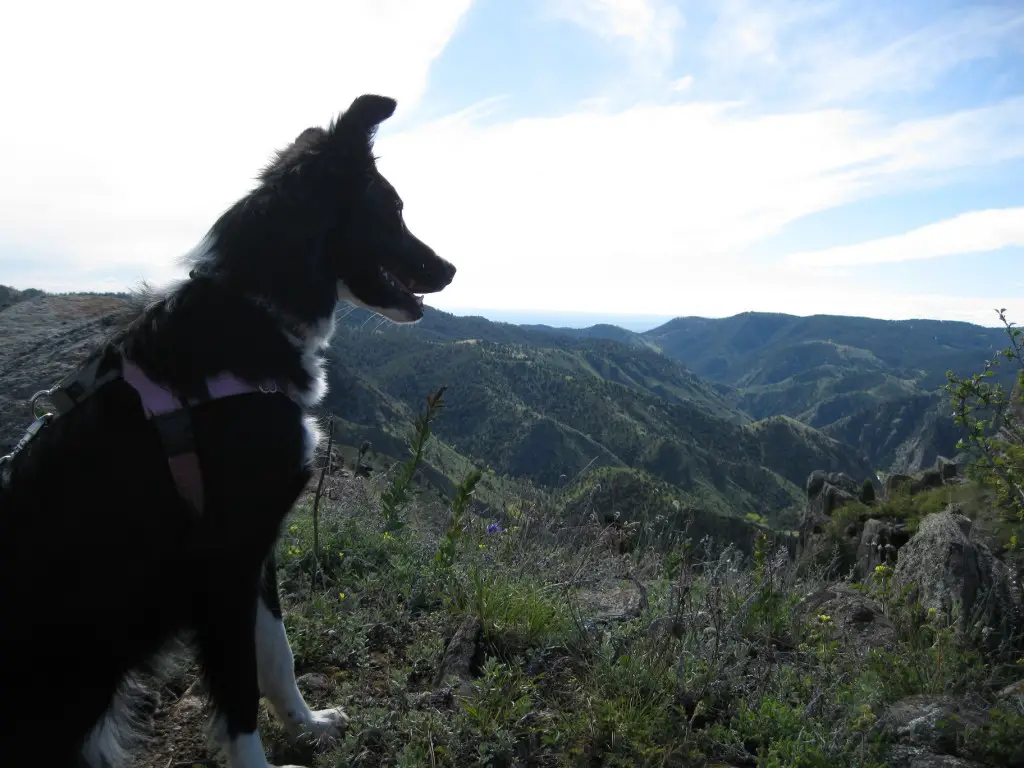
pixel 324 224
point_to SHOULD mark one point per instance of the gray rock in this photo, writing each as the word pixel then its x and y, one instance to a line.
pixel 1014 692
pixel 914 757
pixel 666 626
pixel 464 655
pixel 820 482
pixel 609 603
pixel 880 542
pixel 930 478
pixel 947 468
pixel 42 340
pixel 314 684
pixel 442 699
pixel 927 730
pixel 948 571
pixel 859 619
pixel 894 484
pixel 826 492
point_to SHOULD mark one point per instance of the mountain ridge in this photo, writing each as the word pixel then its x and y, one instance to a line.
pixel 541 405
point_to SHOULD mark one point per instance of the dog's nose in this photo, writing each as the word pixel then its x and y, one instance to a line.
pixel 449 271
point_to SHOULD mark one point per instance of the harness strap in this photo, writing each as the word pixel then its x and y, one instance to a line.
pixel 173 422
pixel 79 386
pixel 169 415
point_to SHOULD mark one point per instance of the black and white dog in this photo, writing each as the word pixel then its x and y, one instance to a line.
pixel 147 510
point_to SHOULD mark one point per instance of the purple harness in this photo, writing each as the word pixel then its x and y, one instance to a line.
pixel 159 403
pixel 167 412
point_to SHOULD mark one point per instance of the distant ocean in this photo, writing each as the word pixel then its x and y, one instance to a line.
pixel 566 319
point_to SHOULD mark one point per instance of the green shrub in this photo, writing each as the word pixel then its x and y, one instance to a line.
pixel 723 663
pixel 994 422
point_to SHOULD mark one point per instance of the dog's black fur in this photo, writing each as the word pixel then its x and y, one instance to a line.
pixel 102 563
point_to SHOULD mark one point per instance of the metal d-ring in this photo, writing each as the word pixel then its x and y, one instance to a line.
pixel 34 402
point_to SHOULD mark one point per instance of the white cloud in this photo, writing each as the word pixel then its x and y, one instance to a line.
pixel 129 126
pixel 682 84
pixel 974 232
pixel 839 50
pixel 648 27
pixel 126 134
pixel 852 64
pixel 652 209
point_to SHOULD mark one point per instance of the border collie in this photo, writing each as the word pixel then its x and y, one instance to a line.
pixel 115 544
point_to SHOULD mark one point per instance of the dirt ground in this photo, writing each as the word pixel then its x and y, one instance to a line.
pixel 179 737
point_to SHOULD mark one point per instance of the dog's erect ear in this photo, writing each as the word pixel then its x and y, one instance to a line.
pixel 367 112
pixel 309 138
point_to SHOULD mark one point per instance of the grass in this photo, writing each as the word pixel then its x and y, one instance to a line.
pixel 712 658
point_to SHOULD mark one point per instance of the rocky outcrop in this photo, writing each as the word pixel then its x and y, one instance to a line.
pixel 463 656
pixel 830 490
pixel 826 492
pixel 928 732
pixel 1013 694
pixel 944 472
pixel 930 478
pixel 895 483
pixel 42 340
pixel 859 618
pixel 880 541
pixel 946 570
pixel 948 469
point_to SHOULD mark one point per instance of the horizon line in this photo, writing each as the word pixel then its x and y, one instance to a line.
pixel 649 321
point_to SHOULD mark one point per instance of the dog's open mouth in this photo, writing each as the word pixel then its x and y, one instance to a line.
pixel 407 293
pixel 389 292
pixel 395 289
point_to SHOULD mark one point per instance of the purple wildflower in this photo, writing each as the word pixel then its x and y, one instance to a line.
pixel 495 528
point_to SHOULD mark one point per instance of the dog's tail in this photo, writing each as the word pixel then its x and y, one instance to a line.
pixel 126 726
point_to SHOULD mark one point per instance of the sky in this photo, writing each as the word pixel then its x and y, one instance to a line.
pixel 606 158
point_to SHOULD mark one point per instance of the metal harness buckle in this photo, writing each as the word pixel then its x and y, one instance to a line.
pixel 31 432
pixel 62 398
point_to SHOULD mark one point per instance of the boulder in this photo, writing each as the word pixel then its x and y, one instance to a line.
pixel 944 472
pixel 948 571
pixel 826 492
pixel 947 469
pixel 858 618
pixel 930 478
pixel 927 731
pixel 880 541
pixel 463 656
pixel 903 756
pixel 833 489
pixel 895 483
pixel 1013 693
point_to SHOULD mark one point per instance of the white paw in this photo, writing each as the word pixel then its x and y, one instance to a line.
pixel 323 725
pixel 328 722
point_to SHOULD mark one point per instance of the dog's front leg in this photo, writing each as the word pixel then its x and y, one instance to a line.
pixel 276 668
pixel 227 651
